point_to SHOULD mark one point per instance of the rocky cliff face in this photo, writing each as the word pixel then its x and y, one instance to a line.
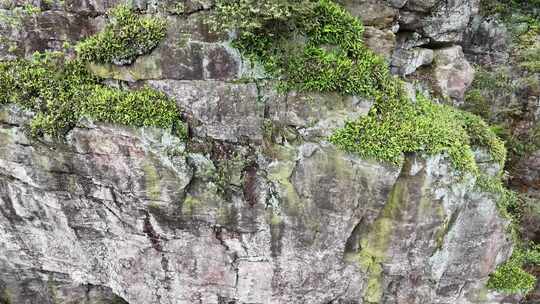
pixel 259 207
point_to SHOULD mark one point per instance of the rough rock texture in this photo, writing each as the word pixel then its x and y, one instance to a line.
pixel 486 41
pixel 405 62
pixel 452 74
pixel 381 41
pixel 441 21
pixel 372 12
pixel 259 208
pixel 129 211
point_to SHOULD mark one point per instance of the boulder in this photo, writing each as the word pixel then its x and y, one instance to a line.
pixel 451 72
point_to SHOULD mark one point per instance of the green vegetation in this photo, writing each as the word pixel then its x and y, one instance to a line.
pixel 324 51
pixel 126 36
pixel 317 46
pixel 421 127
pixel 31 9
pixel 506 7
pixel 60 92
pixel 529 54
pixel 510 276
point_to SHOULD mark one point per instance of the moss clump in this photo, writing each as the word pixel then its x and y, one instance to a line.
pixel 420 127
pixel 311 46
pixel 510 276
pixel 125 37
pixel 60 92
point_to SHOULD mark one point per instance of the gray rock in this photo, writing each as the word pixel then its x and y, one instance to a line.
pixel 443 22
pixel 486 41
pixel 406 62
pixel 409 40
pixel 219 110
pixel 397 3
pixel 421 5
pixel 381 42
pixel 375 13
pixel 452 73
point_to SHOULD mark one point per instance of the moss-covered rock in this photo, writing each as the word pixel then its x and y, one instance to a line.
pixel 62 91
pixel 125 37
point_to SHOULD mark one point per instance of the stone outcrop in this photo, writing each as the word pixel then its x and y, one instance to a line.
pixel 133 212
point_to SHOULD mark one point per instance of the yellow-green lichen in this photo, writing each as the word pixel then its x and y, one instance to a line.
pixel 190 205
pixel 6 297
pixel 375 244
pixel 152 181
pixel 144 68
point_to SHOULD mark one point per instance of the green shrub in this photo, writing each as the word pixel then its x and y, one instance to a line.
pixel 125 37
pixel 60 92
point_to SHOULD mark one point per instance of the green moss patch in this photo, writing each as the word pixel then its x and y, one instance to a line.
pixel 126 36
pixel 510 276
pixel 60 92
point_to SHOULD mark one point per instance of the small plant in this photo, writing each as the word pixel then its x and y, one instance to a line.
pixel 125 37
pixel 179 8
pixel 31 9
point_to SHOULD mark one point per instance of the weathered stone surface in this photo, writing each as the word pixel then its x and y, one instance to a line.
pixel 486 41
pixel 259 207
pixel 314 116
pixel 372 12
pixel 22 34
pixel 405 62
pixel 381 42
pixel 452 73
pixel 421 5
pixel 397 3
pixel 191 51
pixel 95 7
pixel 130 211
pixel 529 173
pixel 219 110
pixel 409 40
pixel 443 22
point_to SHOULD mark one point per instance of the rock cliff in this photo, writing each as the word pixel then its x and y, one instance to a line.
pixel 258 206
